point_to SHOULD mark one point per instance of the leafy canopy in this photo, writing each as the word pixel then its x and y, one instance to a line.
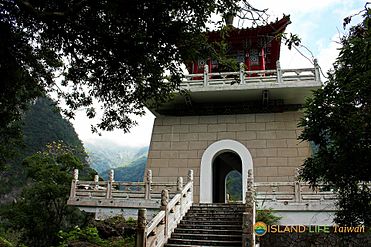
pixel 113 51
pixel 338 121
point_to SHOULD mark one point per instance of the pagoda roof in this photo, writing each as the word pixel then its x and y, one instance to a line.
pixel 271 29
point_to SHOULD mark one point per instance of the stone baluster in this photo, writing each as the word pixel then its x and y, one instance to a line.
pixel 190 176
pixel 179 188
pixel 279 71
pixel 142 228
pixel 96 181
pixel 297 187
pixel 317 73
pixel 248 236
pixel 206 75
pixel 109 184
pixel 242 73
pixel 74 183
pixel 164 203
pixel 148 185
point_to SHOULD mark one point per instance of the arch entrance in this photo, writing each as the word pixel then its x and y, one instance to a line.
pixel 223 165
pixel 217 161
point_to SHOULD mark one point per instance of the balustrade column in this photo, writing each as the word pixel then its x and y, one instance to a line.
pixel 164 203
pixel 242 73
pixel 142 228
pixel 206 75
pixel 148 185
pixel 317 74
pixel 279 72
pixel 96 180
pixel 248 236
pixel 179 185
pixel 74 183
pixel 109 185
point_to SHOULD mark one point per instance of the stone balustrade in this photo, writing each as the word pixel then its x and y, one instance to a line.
pixel 158 230
pixel 242 77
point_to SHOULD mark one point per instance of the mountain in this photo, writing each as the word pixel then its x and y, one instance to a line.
pixel 42 124
pixel 106 155
pixel 134 172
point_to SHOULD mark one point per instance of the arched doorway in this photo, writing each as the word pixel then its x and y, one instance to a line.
pixel 233 149
pixel 223 164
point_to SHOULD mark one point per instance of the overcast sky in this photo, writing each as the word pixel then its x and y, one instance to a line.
pixel 317 22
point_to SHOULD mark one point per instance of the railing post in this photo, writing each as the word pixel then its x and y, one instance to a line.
pixel 179 188
pixel 164 203
pixel 142 228
pixel 96 180
pixel 206 75
pixel 109 184
pixel 148 185
pixel 248 236
pixel 242 73
pixel 75 179
pixel 317 75
pixel 279 71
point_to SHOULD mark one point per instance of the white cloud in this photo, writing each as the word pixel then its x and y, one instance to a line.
pixel 138 136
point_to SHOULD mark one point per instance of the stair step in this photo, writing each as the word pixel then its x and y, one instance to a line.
pixel 204 242
pixel 211 218
pixel 209 231
pixel 212 221
pixel 204 226
pixel 185 245
pixel 213 215
pixel 192 236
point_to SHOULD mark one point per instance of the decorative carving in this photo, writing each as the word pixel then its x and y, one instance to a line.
pixel 76 174
pixel 111 175
pixel 142 218
pixel 179 184
pixel 149 176
pixel 190 176
pixel 164 198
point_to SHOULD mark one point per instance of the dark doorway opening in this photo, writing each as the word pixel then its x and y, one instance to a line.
pixel 223 165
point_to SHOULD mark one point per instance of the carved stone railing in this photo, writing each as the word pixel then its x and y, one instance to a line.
pixel 109 198
pixel 248 219
pixel 242 77
pixel 292 192
pixel 159 229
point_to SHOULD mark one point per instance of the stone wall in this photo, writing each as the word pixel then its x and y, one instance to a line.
pixel 178 143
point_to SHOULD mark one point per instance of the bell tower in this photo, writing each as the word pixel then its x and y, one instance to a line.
pixel 234 120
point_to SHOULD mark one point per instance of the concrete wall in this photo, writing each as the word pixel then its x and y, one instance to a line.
pixel 178 143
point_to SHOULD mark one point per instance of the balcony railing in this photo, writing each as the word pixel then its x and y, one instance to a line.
pixel 242 77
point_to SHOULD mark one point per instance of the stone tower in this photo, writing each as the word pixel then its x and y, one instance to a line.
pixel 234 120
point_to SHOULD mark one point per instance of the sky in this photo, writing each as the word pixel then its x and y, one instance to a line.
pixel 319 24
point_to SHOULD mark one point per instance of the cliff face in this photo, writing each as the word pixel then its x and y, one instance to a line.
pixel 42 124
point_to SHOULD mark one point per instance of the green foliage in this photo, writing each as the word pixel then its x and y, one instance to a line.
pixel 117 51
pixel 43 124
pixel 267 216
pixel 112 232
pixel 42 211
pixel 337 120
pixel 234 186
pixel 88 234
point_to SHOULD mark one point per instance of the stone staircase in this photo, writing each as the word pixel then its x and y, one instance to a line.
pixel 209 225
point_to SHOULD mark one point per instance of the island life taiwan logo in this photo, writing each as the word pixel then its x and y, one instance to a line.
pixel 260 228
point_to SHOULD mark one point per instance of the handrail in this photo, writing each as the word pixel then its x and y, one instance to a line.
pixel 209 79
pixel 154 222
pixel 159 229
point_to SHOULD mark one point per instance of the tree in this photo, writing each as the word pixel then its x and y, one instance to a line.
pixel 113 51
pixel 338 121
pixel 42 212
